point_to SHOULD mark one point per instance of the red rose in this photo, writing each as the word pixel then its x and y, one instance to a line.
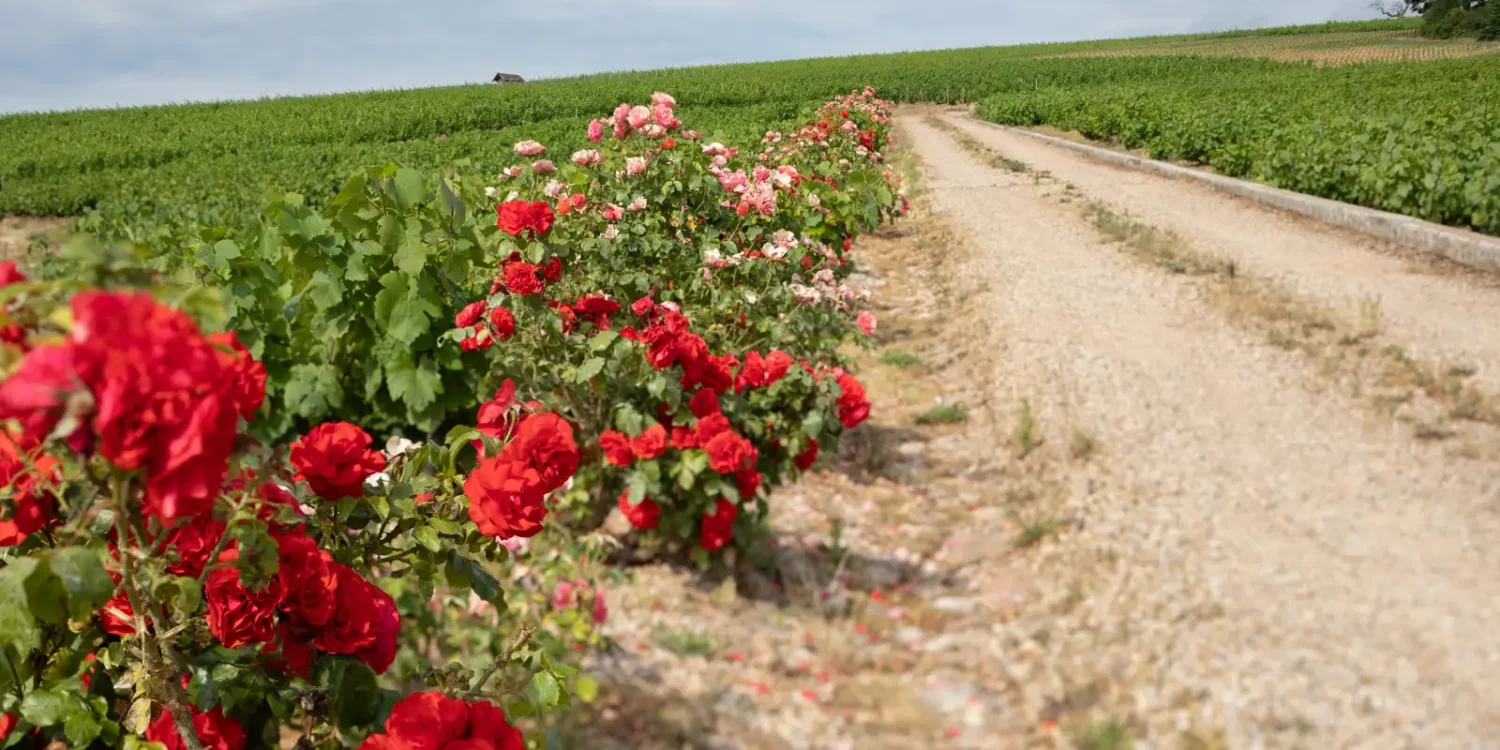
pixel 117 617
pixel 334 459
pixel 494 415
pixel 652 442
pixel 467 317
pixel 503 322
pixel 215 730
pixel 643 306
pixel 854 407
pixel 520 278
pixel 236 615
pixel 10 274
pixel 502 499
pixel 747 480
pixel 552 270
pixel 684 438
pixel 487 724
pixel 297 651
pixel 616 447
pixel 728 452
pixel 543 445
pixel 645 514
pixel 433 721
pixel 710 426
pixel 8 721
pixel 311 579
pixel 565 314
pixel 718 527
pixel 807 458
pixel 32 509
pixel 248 378
pixel 596 309
pixel 777 363
pixel 364 624
pixel 718 372
pixel 194 542
pixel 704 403
pixel 532 217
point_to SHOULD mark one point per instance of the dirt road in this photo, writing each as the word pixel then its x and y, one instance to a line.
pixel 1293 566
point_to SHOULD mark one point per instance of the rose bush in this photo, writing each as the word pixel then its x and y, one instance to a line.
pixel 169 580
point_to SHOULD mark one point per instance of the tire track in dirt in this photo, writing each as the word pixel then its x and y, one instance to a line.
pixel 1288 569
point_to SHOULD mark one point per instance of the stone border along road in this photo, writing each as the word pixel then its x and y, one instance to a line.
pixel 1468 248
pixel 1292 570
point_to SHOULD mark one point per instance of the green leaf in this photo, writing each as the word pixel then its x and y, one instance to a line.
pixel 353 694
pixel 83 576
pixel 226 250
pixel 313 390
pixel 324 290
pixel 412 256
pixel 812 425
pixel 589 369
pixel 586 688
pixel 82 728
pixel 47 707
pixel 410 187
pixel 414 386
pixel 484 584
pixel 542 691
pixel 45 595
pixel 602 340
pixel 428 537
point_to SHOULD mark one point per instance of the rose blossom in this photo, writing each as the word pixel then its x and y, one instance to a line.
pixel 638 204
pixel 867 322
pixel 530 148
pixel 596 131
pixel 588 157
pixel 543 166
pixel 635 165
pixel 718 527
pixel 334 458
pixel 638 116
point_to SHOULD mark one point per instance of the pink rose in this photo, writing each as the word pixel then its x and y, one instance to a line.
pixel 867 322
pixel 543 166
pixel 638 116
pixel 596 131
pixel 635 165
pixel 530 148
pixel 588 157
pixel 611 212
pixel 663 99
pixel 639 204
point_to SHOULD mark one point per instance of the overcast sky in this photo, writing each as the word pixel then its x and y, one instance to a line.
pixel 64 54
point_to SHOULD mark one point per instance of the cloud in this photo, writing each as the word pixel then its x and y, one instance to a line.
pixel 61 54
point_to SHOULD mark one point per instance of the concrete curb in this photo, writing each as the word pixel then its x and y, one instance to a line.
pixel 1468 248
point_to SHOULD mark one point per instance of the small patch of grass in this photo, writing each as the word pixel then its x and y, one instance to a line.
pixel 1027 439
pixel 899 358
pixel 1108 735
pixel 1035 529
pixel 943 414
pixel 1084 445
pixel 686 644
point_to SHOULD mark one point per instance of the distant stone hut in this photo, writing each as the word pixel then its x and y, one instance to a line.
pixel 508 78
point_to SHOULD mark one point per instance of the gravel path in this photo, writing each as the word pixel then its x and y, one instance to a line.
pixel 1289 569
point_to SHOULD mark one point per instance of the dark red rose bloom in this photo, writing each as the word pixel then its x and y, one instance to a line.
pixel 807 458
pixel 704 403
pixel 248 378
pixel 163 396
pixel 334 459
pixel 684 438
pixel 728 452
pixel 433 721
pixel 616 447
pixel 215 730
pixel 502 501
pixel 533 218
pixel 596 309
pixel 552 270
pixel 364 624
pixel 10 274
pixel 718 372
pixel 643 515
pixel 652 442
pixel 520 279
pixel 236 615
pixel 297 651
pixel 747 480
pixel 777 364
pixel 710 426
pixel 8 721
pixel 644 306
pixel 629 333
pixel 503 322
pixel 854 407
pixel 117 617
pixel 310 579
pixel 543 446
pixel 718 527
pixel 194 542
pixel 760 372
pixel 470 315
pixel 565 314
pixel 28 477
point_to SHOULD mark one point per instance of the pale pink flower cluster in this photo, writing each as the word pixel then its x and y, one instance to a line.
pixel 635 165
pixel 611 212
pixel 719 149
pixel 554 189
pixel 610 232
pixel 530 148
pixel 638 204
pixel 654 121
pixel 588 158
pixel 824 287
pixel 543 166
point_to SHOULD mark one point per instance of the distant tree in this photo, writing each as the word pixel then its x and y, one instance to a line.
pixel 1396 9
pixel 1421 7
